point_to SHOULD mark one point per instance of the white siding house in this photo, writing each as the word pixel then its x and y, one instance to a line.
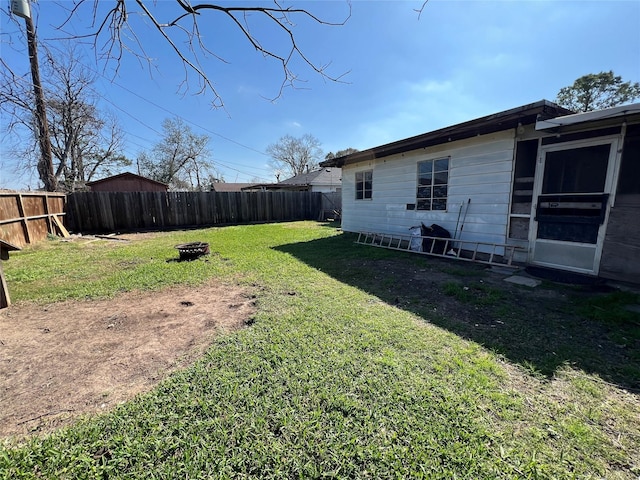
pixel 480 168
pixel 536 176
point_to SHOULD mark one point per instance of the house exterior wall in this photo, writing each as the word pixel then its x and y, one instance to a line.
pixel 479 168
pixel 481 172
pixel 621 251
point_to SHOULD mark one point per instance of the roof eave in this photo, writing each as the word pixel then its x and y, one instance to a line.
pixel 608 115
pixel 526 114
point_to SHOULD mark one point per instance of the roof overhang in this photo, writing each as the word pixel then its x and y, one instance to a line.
pixel 288 186
pixel 596 118
pixel 524 115
pixel 275 186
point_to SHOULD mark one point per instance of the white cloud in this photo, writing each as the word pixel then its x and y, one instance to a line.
pixel 419 108
pixel 431 86
pixel 504 61
pixel 247 90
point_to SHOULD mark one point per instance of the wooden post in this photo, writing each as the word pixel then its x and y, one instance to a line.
pixel 45 165
pixel 5 301
pixel 50 227
pixel 5 248
pixel 25 222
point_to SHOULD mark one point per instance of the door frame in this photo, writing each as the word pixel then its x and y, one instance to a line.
pixel 613 167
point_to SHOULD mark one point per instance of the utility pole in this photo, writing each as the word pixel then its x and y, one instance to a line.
pixel 45 164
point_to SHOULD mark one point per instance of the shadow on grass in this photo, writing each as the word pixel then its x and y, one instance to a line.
pixel 541 329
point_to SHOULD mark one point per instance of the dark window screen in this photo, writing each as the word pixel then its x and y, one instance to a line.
pixel 578 170
pixel 629 180
pixel 525 170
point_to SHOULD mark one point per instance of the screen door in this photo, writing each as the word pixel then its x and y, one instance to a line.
pixel 573 184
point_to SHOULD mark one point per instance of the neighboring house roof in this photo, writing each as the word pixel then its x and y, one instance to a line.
pixel 323 176
pixel 258 187
pixel 507 119
pixel 230 187
pixel 125 175
pixel 604 116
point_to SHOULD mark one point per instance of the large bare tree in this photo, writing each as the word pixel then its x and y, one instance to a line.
pixel 293 156
pixel 115 28
pixel 180 159
pixel 84 140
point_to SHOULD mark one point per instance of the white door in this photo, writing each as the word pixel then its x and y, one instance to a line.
pixel 573 185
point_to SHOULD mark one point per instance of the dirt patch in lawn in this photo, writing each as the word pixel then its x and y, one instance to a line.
pixel 63 360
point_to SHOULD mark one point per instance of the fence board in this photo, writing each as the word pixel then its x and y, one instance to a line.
pixel 99 212
pixel 25 217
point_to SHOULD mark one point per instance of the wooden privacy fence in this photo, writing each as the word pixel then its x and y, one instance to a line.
pixel 28 217
pixel 98 212
pixel 331 206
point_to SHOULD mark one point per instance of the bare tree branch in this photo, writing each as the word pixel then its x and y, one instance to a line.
pixel 421 9
pixel 179 156
pixel 83 140
pixel 295 156
pixel 186 61
pixel 112 25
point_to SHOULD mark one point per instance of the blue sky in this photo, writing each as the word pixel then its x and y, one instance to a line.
pixel 405 74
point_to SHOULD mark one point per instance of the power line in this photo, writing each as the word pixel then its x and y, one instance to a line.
pixel 219 162
pixel 176 115
pixel 216 161
pixel 159 133
pixel 129 115
pixel 257 172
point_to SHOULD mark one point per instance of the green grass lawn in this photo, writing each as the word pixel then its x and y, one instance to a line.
pixel 336 377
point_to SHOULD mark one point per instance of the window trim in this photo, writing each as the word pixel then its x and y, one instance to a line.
pixel 432 185
pixel 360 184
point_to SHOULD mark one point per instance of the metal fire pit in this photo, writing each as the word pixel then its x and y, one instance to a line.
pixel 189 251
